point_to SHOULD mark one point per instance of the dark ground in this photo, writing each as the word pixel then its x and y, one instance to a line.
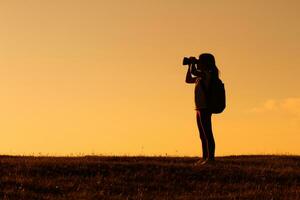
pixel 91 177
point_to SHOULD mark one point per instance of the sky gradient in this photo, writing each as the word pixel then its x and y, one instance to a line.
pixel 105 77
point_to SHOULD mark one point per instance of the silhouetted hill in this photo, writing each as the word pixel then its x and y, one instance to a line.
pixel 92 177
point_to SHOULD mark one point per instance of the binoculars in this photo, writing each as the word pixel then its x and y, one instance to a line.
pixel 190 60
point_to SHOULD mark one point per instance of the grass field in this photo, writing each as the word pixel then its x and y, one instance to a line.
pixel 92 177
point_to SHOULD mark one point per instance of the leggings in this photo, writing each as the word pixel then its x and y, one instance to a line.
pixel 206 134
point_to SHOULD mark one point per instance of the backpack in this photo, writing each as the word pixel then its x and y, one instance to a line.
pixel 217 97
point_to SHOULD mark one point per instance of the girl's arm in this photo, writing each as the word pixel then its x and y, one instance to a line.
pixel 189 78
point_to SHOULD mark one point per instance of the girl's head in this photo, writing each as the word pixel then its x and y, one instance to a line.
pixel 207 61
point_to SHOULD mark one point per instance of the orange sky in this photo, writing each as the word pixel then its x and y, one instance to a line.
pixel 105 77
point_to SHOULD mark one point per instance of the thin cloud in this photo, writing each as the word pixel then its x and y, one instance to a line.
pixel 268 105
pixel 289 105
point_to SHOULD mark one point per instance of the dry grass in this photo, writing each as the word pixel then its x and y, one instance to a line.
pixel 91 177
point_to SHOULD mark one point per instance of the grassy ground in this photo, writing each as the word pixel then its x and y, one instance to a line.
pixel 234 177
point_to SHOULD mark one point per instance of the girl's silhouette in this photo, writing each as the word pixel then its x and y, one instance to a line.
pixel 204 69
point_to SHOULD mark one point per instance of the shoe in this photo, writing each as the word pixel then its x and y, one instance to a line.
pixel 200 162
pixel 205 162
pixel 210 161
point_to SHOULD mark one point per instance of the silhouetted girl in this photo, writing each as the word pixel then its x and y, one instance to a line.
pixel 204 70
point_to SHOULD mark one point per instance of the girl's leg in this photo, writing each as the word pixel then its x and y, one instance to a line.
pixel 205 117
pixel 202 136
